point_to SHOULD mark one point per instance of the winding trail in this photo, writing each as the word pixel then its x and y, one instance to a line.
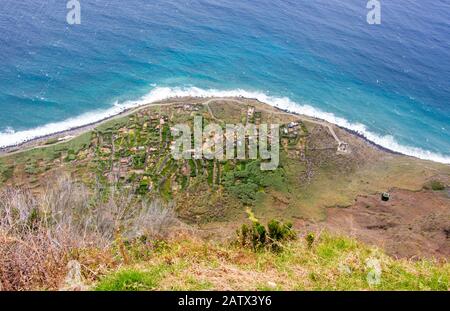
pixel 303 118
pixel 75 132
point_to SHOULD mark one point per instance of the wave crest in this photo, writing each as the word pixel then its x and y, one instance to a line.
pixel 11 138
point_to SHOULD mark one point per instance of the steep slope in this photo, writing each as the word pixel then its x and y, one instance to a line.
pixel 324 172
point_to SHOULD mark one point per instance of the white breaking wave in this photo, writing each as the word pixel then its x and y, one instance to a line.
pixel 11 138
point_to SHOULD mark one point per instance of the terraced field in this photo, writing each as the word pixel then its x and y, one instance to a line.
pixel 133 153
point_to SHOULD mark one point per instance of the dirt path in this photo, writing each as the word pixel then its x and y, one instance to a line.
pixel 303 118
pixel 73 133
pixel 38 142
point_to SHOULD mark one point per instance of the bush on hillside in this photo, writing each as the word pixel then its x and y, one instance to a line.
pixel 310 238
pixel 259 237
pixel 246 179
pixel 434 185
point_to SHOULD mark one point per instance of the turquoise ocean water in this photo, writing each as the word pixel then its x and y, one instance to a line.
pixel 389 82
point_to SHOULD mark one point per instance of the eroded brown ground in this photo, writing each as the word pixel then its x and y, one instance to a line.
pixel 411 224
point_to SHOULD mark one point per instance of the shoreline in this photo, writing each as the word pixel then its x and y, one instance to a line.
pixel 379 147
pixel 355 133
pixel 76 131
pixel 39 142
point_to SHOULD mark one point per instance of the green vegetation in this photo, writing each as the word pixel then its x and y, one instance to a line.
pixel 51 141
pixel 435 185
pixel 131 156
pixel 331 263
pixel 246 179
pixel 134 152
pixel 6 172
pixel 258 237
pixel 31 168
pixel 133 279
pixel 37 160
pixel 310 237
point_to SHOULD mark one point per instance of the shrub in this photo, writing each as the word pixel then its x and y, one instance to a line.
pixel 70 157
pixel 138 161
pixel 6 172
pixel 31 170
pixel 434 185
pixel 35 260
pixel 279 231
pixel 246 179
pixel 310 238
pixel 39 234
pixel 258 237
pixel 142 189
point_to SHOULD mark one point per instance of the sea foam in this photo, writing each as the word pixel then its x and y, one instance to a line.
pixel 11 138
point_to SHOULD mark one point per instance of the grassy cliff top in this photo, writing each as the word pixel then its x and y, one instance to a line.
pixel 330 263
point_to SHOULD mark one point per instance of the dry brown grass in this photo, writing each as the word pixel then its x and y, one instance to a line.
pixel 41 233
pixel 31 261
pixel 332 263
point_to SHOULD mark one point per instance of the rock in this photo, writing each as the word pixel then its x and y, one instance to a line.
pixel 271 284
pixel 74 279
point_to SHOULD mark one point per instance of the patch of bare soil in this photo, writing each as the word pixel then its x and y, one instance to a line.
pixel 409 225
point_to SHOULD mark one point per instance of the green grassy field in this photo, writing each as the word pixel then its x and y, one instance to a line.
pixel 331 263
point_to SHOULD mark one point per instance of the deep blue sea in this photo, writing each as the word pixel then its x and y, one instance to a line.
pixel 390 82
